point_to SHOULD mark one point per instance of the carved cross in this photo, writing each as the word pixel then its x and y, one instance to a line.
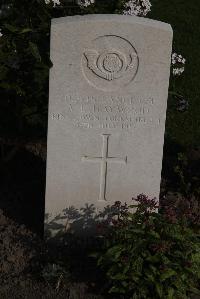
pixel 104 160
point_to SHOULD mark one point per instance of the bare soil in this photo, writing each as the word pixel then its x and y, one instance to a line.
pixel 22 253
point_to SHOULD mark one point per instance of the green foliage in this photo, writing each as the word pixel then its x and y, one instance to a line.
pixel 151 255
pixel 189 180
pixel 184 19
pixel 25 61
pixel 24 64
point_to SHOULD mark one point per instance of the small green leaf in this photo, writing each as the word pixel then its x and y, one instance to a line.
pixel 25 30
pixel 124 283
pixel 153 269
pixel 119 276
pixel 34 50
pixel 115 289
pixel 114 251
pixel 195 291
pixel 155 234
pixel 170 294
pixel 94 255
pixel 167 274
pixel 159 290
pixel 150 277
pixel 153 258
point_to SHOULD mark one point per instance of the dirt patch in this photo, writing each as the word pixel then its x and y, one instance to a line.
pixel 18 249
pixel 22 260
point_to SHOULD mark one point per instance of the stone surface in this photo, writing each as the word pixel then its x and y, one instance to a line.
pixel 107 109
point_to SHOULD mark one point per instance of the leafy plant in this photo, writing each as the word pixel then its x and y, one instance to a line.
pixel 148 254
pixel 189 181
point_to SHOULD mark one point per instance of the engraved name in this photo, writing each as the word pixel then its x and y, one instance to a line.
pixel 114 112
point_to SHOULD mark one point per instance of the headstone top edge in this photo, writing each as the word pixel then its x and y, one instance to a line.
pixel 113 17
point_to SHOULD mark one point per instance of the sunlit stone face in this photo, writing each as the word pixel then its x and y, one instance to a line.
pixel 107 110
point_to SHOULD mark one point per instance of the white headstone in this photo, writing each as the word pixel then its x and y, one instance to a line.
pixel 107 109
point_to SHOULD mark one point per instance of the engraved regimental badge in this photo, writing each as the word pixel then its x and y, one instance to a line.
pixel 110 63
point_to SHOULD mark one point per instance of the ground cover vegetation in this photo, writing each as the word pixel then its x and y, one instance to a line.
pixel 141 255
pixel 151 255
